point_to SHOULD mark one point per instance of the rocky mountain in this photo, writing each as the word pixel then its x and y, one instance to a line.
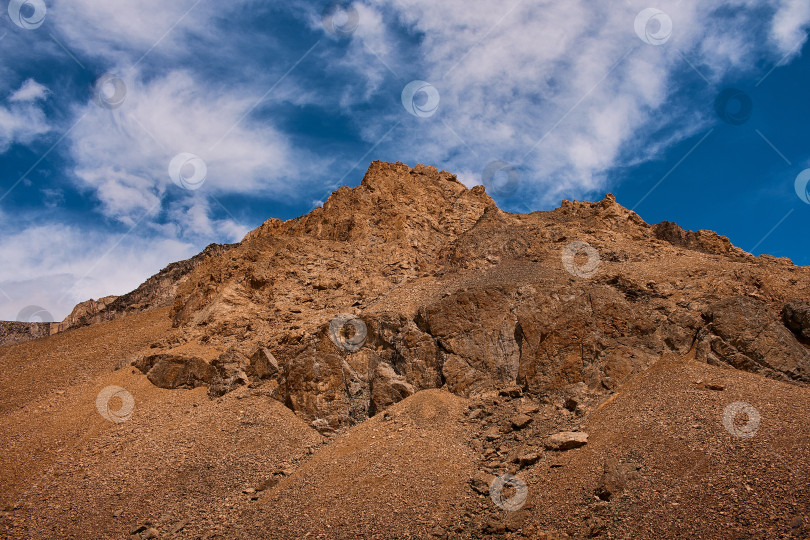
pixel 424 346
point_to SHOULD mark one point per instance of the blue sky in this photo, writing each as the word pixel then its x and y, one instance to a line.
pixel 132 134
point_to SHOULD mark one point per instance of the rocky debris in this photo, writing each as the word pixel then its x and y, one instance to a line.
pixel 511 391
pixel 796 316
pixel 527 458
pixel 179 526
pixel 743 333
pixel 566 440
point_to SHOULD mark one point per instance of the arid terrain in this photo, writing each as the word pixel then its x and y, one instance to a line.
pixel 410 361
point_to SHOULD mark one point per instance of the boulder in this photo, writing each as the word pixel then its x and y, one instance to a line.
pixel 796 316
pixel 263 364
pixel 520 421
pixel 172 371
pixel 388 387
pixel 613 480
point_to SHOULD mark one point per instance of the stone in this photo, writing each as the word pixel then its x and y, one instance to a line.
pixel 388 387
pixel 150 533
pixel 494 526
pixel 520 421
pixel 139 528
pixel 172 371
pixel 263 364
pixel 796 316
pixel 267 483
pixel 612 481
pixel 481 481
pixel 566 440
pixel 511 391
pixel 527 459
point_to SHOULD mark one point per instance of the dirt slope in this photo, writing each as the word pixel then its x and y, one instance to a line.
pixel 401 474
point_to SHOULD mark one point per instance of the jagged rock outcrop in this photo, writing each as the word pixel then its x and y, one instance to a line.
pixel 17 332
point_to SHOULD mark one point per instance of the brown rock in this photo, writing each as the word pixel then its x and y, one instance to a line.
pixel 264 364
pixel 566 440
pixel 481 481
pixel 752 339
pixel 172 371
pixel 529 458
pixel 796 316
pixel 613 480
pixel 520 421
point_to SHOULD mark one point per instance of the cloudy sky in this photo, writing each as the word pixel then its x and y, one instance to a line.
pixel 132 134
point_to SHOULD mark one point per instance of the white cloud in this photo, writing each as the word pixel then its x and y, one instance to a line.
pixel 558 88
pixel 121 30
pixel 789 26
pixel 123 154
pixel 55 267
pixel 23 120
pixel 31 90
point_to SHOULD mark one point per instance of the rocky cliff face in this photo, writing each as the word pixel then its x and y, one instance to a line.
pixel 412 281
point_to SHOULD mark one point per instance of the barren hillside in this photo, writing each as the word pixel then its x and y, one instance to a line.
pixel 410 361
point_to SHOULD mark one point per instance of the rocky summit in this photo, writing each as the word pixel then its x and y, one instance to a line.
pixel 410 361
